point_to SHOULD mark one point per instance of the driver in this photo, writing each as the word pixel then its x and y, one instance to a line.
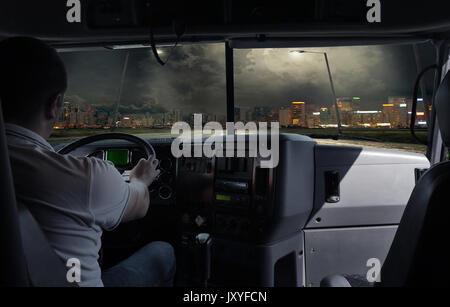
pixel 73 199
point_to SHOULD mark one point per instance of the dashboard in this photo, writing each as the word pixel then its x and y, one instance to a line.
pixel 263 221
pixel 227 197
pixel 230 198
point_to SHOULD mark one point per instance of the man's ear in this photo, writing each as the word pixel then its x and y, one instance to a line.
pixel 53 107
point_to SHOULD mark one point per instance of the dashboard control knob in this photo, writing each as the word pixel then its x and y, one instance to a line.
pixel 165 192
pixel 200 221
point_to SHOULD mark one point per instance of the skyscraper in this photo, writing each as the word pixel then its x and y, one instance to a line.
pixel 347 108
pixel 285 117
pixel 298 112
pixel 397 111
pixel 178 116
pixel 349 104
pixel 237 114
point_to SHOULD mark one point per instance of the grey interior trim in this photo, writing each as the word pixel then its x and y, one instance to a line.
pixel 344 251
pixel 375 185
pixel 438 145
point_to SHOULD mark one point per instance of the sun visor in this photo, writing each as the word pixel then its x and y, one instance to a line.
pixel 250 23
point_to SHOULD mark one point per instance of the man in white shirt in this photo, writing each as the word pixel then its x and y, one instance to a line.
pixel 74 199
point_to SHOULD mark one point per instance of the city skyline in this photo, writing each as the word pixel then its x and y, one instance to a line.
pixel 394 113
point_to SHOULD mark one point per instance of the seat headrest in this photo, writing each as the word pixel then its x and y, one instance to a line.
pixel 442 105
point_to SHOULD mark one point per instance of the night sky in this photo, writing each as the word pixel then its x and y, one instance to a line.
pixel 194 78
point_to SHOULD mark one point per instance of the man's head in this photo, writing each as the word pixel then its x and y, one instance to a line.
pixel 33 80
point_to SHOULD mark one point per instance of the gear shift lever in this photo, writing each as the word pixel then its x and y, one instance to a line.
pixel 203 243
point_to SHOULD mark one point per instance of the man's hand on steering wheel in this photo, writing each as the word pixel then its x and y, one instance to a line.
pixel 145 171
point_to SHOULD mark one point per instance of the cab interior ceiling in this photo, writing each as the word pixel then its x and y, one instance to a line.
pixel 245 24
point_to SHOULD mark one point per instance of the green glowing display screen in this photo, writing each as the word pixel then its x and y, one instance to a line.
pixel 118 157
pixel 223 197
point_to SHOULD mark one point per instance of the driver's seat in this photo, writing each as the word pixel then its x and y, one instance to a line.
pixel 27 259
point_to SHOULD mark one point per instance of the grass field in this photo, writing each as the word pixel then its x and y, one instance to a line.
pixel 399 139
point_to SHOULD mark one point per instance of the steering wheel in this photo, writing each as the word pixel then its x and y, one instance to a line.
pixel 144 145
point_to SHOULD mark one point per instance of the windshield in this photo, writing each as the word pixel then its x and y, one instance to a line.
pixel 129 92
pixel 371 86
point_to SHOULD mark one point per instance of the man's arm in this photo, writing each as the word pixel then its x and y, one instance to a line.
pixel 141 177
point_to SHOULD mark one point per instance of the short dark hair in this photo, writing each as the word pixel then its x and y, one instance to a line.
pixel 31 75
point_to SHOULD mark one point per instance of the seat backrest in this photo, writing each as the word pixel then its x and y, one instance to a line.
pixel 420 253
pixel 27 258
pixel 45 268
pixel 13 270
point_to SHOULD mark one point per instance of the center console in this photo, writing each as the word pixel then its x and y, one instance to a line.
pixel 245 209
pixel 227 197
pixel 243 198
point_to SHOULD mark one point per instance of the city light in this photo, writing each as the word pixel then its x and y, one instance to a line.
pixel 393 114
pixel 367 112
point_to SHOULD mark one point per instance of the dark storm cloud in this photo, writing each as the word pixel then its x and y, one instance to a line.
pixel 371 72
pixel 93 76
pixel 194 78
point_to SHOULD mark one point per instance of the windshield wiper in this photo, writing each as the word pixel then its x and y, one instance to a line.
pixel 119 94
